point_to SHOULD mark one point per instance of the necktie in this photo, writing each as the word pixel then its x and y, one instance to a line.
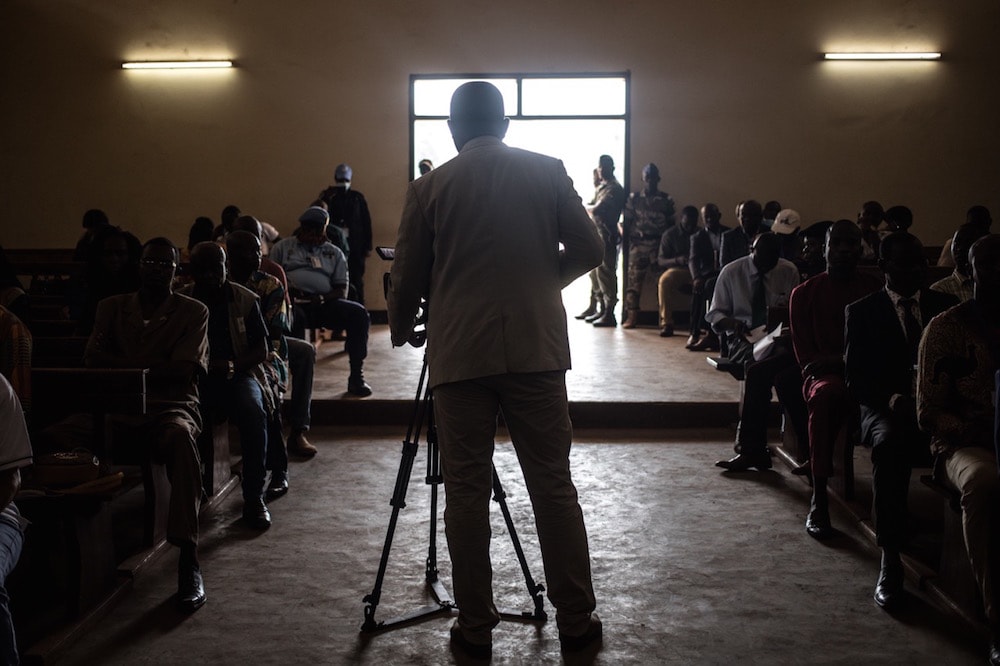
pixel 912 326
pixel 758 305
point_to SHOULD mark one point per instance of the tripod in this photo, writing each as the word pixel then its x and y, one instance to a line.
pixel 423 412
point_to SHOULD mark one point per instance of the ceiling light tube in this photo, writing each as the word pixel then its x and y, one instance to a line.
pixel 178 64
pixel 902 55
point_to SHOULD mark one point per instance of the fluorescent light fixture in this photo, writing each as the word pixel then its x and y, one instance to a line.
pixel 899 55
pixel 179 64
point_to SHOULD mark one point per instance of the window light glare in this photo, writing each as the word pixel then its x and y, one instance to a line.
pixel 901 55
pixel 178 64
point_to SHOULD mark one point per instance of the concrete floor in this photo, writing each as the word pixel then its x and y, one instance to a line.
pixel 691 566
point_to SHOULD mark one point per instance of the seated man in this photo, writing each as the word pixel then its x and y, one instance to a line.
pixel 244 252
pixel 959 283
pixel 317 268
pixel 301 357
pixel 703 263
pixel 15 453
pixel 168 334
pixel 883 332
pixel 976 215
pixel 816 316
pixel 745 289
pixel 736 242
pixel 236 386
pixel 675 246
pixel 956 372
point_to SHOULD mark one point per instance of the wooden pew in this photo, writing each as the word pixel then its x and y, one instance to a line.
pixel 80 525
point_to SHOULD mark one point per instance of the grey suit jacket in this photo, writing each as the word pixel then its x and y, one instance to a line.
pixel 480 238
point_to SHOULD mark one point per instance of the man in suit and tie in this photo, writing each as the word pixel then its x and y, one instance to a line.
pixel 479 238
pixel 883 335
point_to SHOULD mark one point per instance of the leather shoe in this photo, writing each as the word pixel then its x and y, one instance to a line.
pixel 256 515
pixel 708 343
pixel 803 469
pixel 994 655
pixel 667 331
pixel 356 385
pixel 594 317
pixel 277 486
pixel 745 461
pixel 589 312
pixel 692 340
pixel 298 445
pixel 818 524
pixel 889 588
pixel 190 588
pixel 594 633
pixel 477 650
pixel 607 320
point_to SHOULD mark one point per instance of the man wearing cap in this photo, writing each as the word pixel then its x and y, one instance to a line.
pixel 786 225
pixel 317 269
pixel 349 212
pixel 609 199
pixel 648 214
pixel 494 216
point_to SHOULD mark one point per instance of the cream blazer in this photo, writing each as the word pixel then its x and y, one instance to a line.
pixel 491 238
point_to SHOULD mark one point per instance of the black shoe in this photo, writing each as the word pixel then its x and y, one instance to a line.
pixel 708 343
pixel 818 524
pixel 743 462
pixel 593 634
pixel 589 312
pixel 256 515
pixel 594 317
pixel 190 588
pixel 607 320
pixel 667 331
pixel 356 385
pixel 889 588
pixel 277 486
pixel 477 650
pixel 692 340
pixel 994 655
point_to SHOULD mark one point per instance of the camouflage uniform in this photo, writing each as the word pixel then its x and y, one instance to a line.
pixel 646 220
pixel 608 202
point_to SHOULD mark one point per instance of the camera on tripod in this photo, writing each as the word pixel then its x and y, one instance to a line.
pixel 418 337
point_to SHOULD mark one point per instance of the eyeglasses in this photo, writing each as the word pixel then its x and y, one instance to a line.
pixel 158 263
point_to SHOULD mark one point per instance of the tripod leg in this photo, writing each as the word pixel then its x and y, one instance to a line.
pixel 434 480
pixel 535 590
pixel 398 500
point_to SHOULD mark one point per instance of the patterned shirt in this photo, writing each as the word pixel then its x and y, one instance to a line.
pixel 648 216
pixel 959 356
pixel 275 310
pixel 956 284
pixel 608 203
pixel 15 356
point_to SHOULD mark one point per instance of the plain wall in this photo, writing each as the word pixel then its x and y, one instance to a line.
pixel 730 99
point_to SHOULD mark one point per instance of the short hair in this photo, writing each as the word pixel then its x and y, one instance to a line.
pixel 897 239
pixel 95 217
pixel 161 241
pixel 901 215
pixel 201 230
pixel 229 214
pixel 979 215
pixel 689 211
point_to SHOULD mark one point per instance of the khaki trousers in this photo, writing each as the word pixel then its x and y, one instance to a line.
pixel 973 472
pixel 669 287
pixel 536 410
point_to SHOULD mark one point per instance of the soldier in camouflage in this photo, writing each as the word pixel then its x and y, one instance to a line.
pixel 648 214
pixel 606 211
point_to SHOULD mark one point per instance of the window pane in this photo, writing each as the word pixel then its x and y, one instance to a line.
pixel 573 97
pixel 431 141
pixel 578 143
pixel 432 97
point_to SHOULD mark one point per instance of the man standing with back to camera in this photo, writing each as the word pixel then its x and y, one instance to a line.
pixel 479 238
